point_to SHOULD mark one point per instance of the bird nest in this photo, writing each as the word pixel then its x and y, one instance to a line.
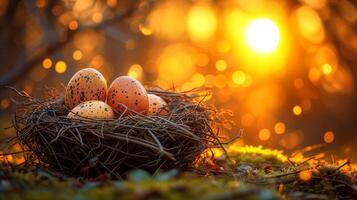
pixel 88 147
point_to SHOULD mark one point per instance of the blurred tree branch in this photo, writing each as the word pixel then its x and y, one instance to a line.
pixel 10 10
pixel 52 42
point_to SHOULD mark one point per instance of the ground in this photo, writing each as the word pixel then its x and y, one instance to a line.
pixel 243 173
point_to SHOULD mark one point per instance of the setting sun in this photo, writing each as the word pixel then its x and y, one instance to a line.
pixel 263 35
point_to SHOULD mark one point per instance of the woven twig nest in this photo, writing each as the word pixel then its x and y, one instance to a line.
pixel 88 147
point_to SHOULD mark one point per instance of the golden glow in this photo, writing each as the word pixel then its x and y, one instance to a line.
pixel 73 25
pixel 135 71
pixel 245 35
pixel 17 159
pixel 77 55
pixel 279 128
pixel 326 69
pixel 258 150
pixel 341 81
pixel 82 5
pixel 247 119
pixel 234 22
pixel 97 17
pixel 305 175
pixel 264 134
pixel 314 75
pixel 201 22
pixel 309 24
pixel 167 20
pixel 61 67
pixel 223 46
pixel 220 81
pixel 176 64
pixel 326 54
pixel 163 84
pixel 263 35
pixel 145 30
pixel 112 3
pixel 198 80
pixel 202 59
pixel 97 61
pixel 209 81
pixel 47 63
pixel 297 110
pixel 187 86
pixel 291 140
pixel 329 137
pixel 221 65
pixel 239 77
pixel 273 99
pixel 237 149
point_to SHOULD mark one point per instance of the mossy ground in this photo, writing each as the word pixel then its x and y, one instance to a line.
pixel 243 174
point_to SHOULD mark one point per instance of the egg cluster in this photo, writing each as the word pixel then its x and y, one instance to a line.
pixel 88 96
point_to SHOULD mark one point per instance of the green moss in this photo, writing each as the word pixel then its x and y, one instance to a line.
pixel 251 176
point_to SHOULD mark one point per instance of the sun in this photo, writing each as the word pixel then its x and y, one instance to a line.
pixel 263 35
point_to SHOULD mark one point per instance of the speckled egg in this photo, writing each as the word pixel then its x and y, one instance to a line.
pixel 93 109
pixel 126 94
pixel 87 84
pixel 156 105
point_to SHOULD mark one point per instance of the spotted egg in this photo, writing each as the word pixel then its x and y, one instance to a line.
pixel 87 84
pixel 93 109
pixel 127 95
pixel 157 106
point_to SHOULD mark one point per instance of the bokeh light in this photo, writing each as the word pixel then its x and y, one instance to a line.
pixel 73 25
pixel 263 35
pixel 297 110
pixel 279 128
pixel 168 20
pixel 5 103
pixel 201 22
pixel 329 137
pixel 176 64
pixel 264 134
pixel 239 77
pixel 47 63
pixel 305 175
pixel 97 61
pixel 60 67
pixel 135 71
pixel 326 69
pixel 221 65
pixel 77 55
pixel 198 80
pixel 309 24
pixel 145 30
